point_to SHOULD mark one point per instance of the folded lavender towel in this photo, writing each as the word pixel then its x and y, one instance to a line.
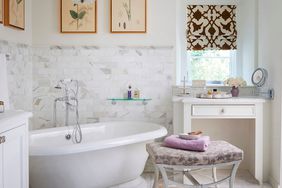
pixel 174 141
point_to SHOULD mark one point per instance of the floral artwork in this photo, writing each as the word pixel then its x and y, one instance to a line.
pixel 128 16
pixel 16 13
pixel 1 11
pixel 78 16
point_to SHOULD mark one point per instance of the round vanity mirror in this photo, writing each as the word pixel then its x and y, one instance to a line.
pixel 259 77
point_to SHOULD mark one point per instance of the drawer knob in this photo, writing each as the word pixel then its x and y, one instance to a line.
pixel 2 139
pixel 222 110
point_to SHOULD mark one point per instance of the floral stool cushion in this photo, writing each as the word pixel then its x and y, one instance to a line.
pixel 218 152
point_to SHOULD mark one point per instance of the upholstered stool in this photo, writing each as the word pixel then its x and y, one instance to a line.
pixel 219 154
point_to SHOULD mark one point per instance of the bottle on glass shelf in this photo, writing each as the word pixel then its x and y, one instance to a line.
pixel 129 92
pixel 136 94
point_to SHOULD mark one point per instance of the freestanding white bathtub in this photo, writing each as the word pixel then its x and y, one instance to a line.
pixel 110 154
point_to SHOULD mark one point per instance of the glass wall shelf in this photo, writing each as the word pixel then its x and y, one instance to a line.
pixel 115 100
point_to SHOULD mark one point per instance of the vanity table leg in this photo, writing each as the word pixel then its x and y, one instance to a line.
pixel 187 118
pixel 259 143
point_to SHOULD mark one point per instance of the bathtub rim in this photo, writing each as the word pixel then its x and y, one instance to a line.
pixel 158 132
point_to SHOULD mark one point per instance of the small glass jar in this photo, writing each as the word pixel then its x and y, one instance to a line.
pixel 136 94
pixel 2 108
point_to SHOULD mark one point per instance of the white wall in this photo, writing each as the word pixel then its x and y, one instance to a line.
pixel 160 30
pixel 247 38
pixel 270 56
pixel 19 36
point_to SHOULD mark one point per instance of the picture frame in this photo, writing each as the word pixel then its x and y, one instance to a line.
pixel 14 13
pixel 77 16
pixel 1 11
pixel 128 16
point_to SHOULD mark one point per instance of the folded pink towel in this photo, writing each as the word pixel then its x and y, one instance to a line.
pixel 174 141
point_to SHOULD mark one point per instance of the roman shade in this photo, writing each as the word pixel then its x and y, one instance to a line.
pixel 211 27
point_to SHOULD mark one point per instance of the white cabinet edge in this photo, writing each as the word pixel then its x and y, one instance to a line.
pixel 12 119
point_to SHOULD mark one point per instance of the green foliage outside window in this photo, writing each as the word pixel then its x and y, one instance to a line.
pixel 210 65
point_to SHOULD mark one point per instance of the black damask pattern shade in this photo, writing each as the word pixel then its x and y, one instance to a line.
pixel 211 27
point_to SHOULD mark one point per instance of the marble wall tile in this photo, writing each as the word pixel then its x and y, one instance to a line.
pixel 104 73
pixel 19 65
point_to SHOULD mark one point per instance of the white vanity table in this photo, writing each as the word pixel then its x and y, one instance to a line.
pixel 14 149
pixel 188 109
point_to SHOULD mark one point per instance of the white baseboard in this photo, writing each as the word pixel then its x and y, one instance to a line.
pixel 273 182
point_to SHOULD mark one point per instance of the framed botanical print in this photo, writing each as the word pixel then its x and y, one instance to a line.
pixel 14 13
pixel 78 16
pixel 128 16
pixel 1 11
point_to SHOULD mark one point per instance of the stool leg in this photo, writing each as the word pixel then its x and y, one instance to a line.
pixel 233 174
pixel 156 179
pixel 164 176
pixel 214 176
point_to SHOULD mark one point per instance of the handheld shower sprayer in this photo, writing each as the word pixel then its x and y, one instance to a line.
pixel 70 99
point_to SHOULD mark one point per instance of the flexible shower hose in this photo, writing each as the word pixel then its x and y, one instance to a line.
pixel 77 133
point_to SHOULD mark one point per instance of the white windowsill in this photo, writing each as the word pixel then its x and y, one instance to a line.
pixel 210 86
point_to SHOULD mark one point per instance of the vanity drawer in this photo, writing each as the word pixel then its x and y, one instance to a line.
pixel 223 110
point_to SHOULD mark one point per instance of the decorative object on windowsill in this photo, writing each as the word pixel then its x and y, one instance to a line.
pixel 235 83
pixel 128 16
pixel 259 79
pixel 14 13
pixel 78 16
pixel 199 83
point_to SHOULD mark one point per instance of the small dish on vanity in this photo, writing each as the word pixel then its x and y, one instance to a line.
pixel 215 95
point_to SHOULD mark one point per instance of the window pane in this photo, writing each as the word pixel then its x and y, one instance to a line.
pixel 210 65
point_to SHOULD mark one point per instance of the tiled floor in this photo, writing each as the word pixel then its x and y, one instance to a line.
pixel 243 179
